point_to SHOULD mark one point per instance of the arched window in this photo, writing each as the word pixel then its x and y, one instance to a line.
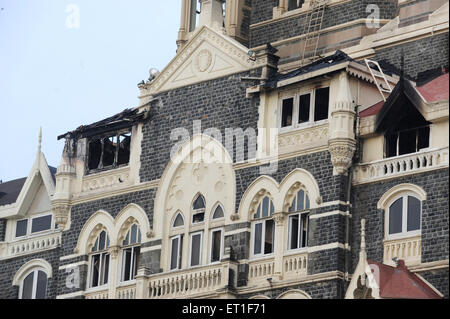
pixel 34 285
pixel 130 253
pixel 216 235
pixel 176 243
pixel 100 261
pixel 264 228
pixel 198 207
pixel 179 221
pixel 404 216
pixel 218 213
pixel 299 221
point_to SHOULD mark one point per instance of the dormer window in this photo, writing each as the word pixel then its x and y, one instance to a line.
pixel 407 141
pixel 34 225
pixel 305 109
pixel 109 151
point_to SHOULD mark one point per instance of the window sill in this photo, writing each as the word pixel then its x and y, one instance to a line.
pixel 97 289
pixel 403 236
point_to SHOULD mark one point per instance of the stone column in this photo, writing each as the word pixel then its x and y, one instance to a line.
pixel 279 219
pixel 113 268
pixel 342 143
pixel 184 23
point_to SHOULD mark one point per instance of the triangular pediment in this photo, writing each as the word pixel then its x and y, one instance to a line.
pixel 208 55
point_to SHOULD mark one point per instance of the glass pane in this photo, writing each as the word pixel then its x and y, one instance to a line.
pixel 265 207
pixel 304 231
pixel 294 204
pixel 41 285
pixel 395 217
pixel 286 115
pixel 218 213
pixel 322 103
pixel 126 264
pixel 293 239
pixel 198 218
pixel 27 287
pixel 199 203
pixel 95 248
pixel 414 207
pixel 133 234
pixel 301 200
pixel 304 108
pixel 174 255
pixel 41 223
pixel 269 237
pixel 216 246
pixel 258 212
pixel 105 269
pixel 178 221
pixel 139 236
pixel 21 228
pixel 307 205
pixel 195 252
pixel 126 241
pixel 95 270
pixel 258 239
pixel 272 208
pixel 102 241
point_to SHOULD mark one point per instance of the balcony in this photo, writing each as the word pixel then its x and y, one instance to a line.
pixel 407 249
pixel 198 282
pixel 30 245
pixel 126 291
pixel 401 165
pixel 101 294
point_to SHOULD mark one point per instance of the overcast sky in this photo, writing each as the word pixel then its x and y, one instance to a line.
pixel 59 72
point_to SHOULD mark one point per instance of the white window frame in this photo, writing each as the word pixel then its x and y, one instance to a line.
pixel 404 233
pixel 300 214
pixel 35 280
pixel 295 113
pixel 263 237
pixel 179 253
pixel 30 219
pixel 103 255
pixel 132 265
pixel 222 236
pixel 200 252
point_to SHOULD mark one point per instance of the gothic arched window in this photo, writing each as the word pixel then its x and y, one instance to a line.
pixel 130 253
pixel 299 221
pixel 34 285
pixel 264 228
pixel 100 261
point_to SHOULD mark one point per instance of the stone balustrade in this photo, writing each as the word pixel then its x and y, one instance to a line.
pixel 407 249
pixel 30 245
pixel 126 292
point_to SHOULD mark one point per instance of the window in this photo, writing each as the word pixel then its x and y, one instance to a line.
pixel 216 245
pixel 198 215
pixel 306 108
pixel 34 225
pixel 407 141
pixel 196 8
pixel 295 4
pixel 218 213
pixel 109 151
pixel 405 216
pixel 299 221
pixel 100 261
pixel 264 228
pixel 130 253
pixel 176 249
pixel 196 249
pixel 179 221
pixel 34 286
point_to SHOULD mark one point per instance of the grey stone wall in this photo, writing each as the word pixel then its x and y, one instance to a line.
pixel 295 26
pixel 10 267
pixel 326 260
pixel 439 279
pixel 435 216
pixel 432 52
pixel 330 289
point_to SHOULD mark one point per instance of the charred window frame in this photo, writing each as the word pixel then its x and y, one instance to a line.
pixel 409 141
pixel 109 151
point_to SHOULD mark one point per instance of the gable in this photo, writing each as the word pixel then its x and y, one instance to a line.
pixel 41 202
pixel 208 55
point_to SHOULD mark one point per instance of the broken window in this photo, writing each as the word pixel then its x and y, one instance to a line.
pixel 287 112
pixel 321 104
pixel 295 4
pixel 109 151
pixel 407 141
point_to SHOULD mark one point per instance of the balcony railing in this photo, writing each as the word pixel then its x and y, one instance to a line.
pixel 188 283
pixel 126 292
pixel 401 165
pixel 30 245
pixel 407 249
pixel 102 294
pixel 261 269
pixel 295 266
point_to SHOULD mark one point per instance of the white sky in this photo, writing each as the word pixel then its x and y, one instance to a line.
pixel 61 78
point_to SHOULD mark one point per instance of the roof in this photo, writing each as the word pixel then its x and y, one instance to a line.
pixel 400 283
pixel 9 191
pixel 435 90
pixel 124 119
pixel 337 58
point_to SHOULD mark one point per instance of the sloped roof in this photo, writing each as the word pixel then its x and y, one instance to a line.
pixel 400 283
pixel 9 191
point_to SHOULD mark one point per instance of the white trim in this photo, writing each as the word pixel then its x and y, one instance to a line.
pixel 179 256
pixel 397 190
pixel 80 263
pixel 335 212
pixel 328 247
pixel 35 263
pixel 238 231
pixel 71 295
pixel 152 248
pixel 404 233
pixel 222 239
pixel 68 257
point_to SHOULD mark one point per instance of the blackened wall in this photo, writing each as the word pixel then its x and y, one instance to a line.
pixel 219 103
pixel 435 216
pixel 280 29
pixel 10 267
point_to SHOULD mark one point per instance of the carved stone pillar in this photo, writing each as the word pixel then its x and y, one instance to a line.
pixel 113 268
pixel 279 219
pixel 342 143
pixel 62 212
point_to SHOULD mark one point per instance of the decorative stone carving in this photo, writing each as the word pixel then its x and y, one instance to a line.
pixel 342 152
pixel 279 218
pixel 204 60
pixel 62 211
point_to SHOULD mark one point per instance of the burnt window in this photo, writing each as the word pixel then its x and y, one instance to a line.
pixel 407 141
pixel 322 101
pixel 295 4
pixel 109 151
